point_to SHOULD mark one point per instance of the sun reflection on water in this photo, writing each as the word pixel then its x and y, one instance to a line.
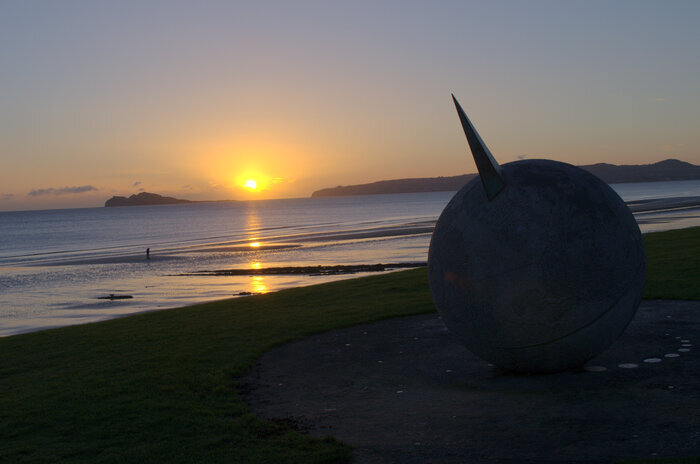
pixel 258 284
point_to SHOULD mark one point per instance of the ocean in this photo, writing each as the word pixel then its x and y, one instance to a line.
pixel 56 264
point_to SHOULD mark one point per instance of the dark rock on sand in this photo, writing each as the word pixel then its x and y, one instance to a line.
pixel 112 296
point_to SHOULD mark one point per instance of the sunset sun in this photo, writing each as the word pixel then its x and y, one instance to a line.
pixel 252 183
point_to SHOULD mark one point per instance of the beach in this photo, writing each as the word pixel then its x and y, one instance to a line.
pixel 57 267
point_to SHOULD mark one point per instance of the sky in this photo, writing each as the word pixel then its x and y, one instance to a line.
pixel 193 98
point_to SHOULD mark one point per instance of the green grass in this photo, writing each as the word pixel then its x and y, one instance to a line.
pixel 673 264
pixel 161 387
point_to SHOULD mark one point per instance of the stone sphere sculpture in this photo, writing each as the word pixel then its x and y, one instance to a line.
pixel 536 266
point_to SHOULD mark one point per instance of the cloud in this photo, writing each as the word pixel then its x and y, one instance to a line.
pixel 137 183
pixel 62 191
pixel 659 99
pixel 6 196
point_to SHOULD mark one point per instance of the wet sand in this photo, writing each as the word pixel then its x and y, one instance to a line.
pixel 403 390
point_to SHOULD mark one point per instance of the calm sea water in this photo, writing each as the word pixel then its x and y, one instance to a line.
pixel 55 264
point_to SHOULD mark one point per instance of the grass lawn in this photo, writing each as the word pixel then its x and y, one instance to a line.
pixel 673 264
pixel 161 386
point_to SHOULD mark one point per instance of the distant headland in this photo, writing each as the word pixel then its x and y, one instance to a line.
pixel 670 169
pixel 144 198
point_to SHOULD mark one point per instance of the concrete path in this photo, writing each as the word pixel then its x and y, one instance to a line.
pixel 404 391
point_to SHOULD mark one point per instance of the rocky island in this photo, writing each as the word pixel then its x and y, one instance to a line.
pixel 144 198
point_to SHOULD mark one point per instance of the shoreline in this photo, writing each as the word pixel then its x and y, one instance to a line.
pixel 190 277
pixel 274 243
pixel 116 309
pixel 104 309
pixel 648 213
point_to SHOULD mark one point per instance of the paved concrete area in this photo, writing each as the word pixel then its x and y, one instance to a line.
pixel 404 391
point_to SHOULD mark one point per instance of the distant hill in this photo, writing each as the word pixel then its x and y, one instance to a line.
pixel 670 169
pixel 144 198
pixel 421 184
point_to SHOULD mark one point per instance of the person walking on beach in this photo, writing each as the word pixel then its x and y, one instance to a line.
pixel 148 253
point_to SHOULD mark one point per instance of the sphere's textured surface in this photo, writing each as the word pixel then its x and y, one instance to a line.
pixel 544 276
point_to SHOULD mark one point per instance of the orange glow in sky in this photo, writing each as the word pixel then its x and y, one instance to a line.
pixel 293 115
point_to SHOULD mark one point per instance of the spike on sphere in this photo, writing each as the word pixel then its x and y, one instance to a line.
pixel 489 170
pixel 542 276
